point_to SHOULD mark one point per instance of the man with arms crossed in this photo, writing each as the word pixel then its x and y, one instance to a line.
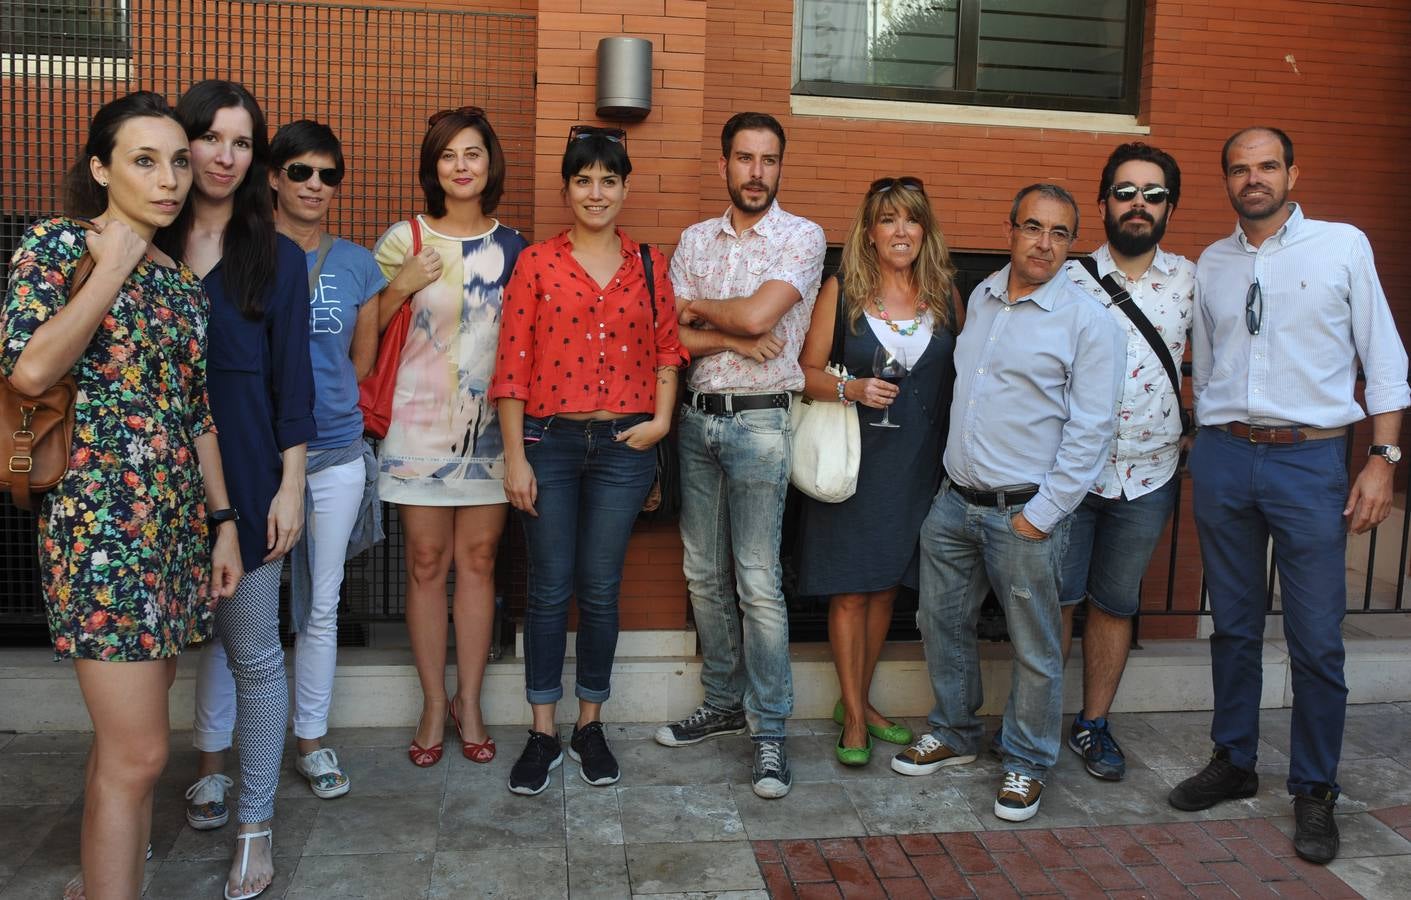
pixel 1037 371
pixel 1286 307
pixel 746 281
pixel 1116 527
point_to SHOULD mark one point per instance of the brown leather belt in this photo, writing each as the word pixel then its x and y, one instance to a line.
pixel 1285 434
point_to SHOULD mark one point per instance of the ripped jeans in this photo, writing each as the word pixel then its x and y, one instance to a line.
pixel 966 550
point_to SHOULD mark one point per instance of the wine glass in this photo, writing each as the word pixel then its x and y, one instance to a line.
pixel 887 366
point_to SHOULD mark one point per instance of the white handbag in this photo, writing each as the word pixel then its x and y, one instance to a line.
pixel 827 439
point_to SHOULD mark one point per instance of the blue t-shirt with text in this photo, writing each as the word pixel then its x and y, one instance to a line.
pixel 349 278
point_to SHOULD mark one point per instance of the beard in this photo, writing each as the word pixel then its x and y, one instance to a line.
pixel 742 203
pixel 1130 243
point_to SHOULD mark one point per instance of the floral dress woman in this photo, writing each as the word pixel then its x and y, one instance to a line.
pixel 117 587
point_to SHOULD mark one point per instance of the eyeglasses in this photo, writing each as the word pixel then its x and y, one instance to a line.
pixel 582 132
pixel 301 172
pixel 1033 232
pixel 1153 194
pixel 882 185
pixel 469 112
pixel 1254 307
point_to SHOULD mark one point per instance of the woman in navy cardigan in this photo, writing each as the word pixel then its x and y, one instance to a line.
pixel 261 389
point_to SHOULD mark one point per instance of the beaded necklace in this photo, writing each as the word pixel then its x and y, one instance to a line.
pixel 909 330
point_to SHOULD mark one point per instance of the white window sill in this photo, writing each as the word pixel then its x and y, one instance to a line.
pixel 906 111
pixel 35 65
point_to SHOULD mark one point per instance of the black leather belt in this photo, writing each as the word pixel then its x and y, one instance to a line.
pixel 728 404
pixel 1007 497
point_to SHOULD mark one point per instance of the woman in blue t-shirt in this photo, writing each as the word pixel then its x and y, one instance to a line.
pixel 306 168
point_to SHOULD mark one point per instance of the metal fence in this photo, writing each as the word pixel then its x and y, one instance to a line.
pixel 373 73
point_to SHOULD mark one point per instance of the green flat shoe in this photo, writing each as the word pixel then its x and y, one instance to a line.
pixel 854 756
pixel 892 734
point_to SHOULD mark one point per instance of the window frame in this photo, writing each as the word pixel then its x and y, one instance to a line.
pixel 113 50
pixel 967 72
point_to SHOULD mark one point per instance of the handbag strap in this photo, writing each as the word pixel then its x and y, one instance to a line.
pixel 416 234
pixel 835 355
pixel 1120 299
pixel 325 244
pixel 646 251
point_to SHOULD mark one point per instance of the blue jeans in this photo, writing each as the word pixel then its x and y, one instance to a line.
pixel 734 476
pixel 965 551
pixel 1110 545
pixel 1244 494
pixel 591 488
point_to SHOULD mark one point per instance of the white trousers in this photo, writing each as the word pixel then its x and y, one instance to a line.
pixel 337 494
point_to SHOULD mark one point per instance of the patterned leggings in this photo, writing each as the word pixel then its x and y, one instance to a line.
pixel 248 626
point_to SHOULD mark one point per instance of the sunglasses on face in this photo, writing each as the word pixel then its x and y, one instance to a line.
pixel 582 132
pixel 301 172
pixel 469 112
pixel 882 185
pixel 1153 194
pixel 1254 307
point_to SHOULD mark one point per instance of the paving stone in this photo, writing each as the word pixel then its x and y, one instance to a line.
pixel 901 806
pixel 776 879
pixel 1104 868
pixel 1045 847
pixel 496 818
pixel 534 873
pixel 1242 881
pixel 887 857
pixel 804 861
pixel 1376 782
pixel 183 879
pixel 906 889
pixel 818 892
pixel 597 872
pixel 364 876
pixel 940 876
pixel 918 844
pixel 376 825
pixel 377 772
pixel 717 865
pixel 593 816
pixel 856 880
pixel 649 763
pixel 1361 834
pixel 1023 871
pixel 809 811
pixel 991 887
pixel 680 813
pixel 22 829
pixel 47 742
pixel 767 851
pixel 840 848
pixel 33 779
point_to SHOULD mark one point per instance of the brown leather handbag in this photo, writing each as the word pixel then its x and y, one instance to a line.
pixel 36 433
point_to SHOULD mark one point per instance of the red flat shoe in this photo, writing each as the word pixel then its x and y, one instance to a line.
pixel 480 753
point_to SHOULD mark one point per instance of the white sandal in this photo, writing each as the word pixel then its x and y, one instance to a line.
pixel 74 889
pixel 247 837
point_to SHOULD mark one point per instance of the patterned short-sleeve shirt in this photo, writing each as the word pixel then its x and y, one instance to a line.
pixel 713 262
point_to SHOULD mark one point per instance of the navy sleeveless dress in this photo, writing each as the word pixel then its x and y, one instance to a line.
pixel 869 542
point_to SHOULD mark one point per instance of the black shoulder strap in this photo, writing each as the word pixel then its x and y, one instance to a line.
pixel 835 356
pixel 646 250
pixel 1120 297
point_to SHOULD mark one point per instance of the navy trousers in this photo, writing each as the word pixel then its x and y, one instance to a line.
pixel 1244 494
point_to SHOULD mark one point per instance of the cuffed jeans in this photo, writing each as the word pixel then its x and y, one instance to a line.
pixel 965 551
pixel 734 476
pixel 591 488
pixel 1244 494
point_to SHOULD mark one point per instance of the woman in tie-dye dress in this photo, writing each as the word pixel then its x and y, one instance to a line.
pixel 442 461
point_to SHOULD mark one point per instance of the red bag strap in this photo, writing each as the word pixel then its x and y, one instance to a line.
pixel 416 234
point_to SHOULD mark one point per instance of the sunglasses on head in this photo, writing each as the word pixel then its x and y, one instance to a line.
pixel 469 112
pixel 1154 194
pixel 882 185
pixel 580 132
pixel 301 172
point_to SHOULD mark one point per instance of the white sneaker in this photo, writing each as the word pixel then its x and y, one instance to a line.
pixel 1018 798
pixel 205 802
pixel 326 778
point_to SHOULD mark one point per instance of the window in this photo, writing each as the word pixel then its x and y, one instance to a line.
pixel 1047 54
pixel 76 28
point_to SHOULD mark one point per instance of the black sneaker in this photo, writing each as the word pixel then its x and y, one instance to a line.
pixel 589 748
pixel 771 776
pixel 1315 835
pixel 1093 741
pixel 541 756
pixel 705 722
pixel 1219 780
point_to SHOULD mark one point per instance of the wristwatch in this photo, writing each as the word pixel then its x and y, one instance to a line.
pixel 218 517
pixel 1389 452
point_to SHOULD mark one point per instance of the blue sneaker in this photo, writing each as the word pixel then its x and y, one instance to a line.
pixel 1098 748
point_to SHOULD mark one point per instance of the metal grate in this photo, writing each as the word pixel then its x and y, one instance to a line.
pixel 371 73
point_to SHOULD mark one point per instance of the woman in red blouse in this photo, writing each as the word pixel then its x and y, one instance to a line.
pixel 585 380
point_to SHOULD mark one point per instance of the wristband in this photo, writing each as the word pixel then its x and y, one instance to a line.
pixel 842 389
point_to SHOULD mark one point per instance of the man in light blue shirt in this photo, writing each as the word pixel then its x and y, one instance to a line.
pixel 1038 370
pixel 1285 308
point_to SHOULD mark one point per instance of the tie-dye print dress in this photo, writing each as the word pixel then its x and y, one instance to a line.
pixel 443 447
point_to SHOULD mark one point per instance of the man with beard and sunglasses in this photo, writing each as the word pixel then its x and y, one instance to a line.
pixel 1286 307
pixel 1116 527
pixel 745 284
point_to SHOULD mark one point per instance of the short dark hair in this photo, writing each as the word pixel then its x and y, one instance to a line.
pixel 594 148
pixel 84 197
pixel 305 136
pixel 437 138
pixel 1284 139
pixel 1141 152
pixel 747 121
pixel 1053 192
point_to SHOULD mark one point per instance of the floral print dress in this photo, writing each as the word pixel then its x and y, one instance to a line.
pixel 123 547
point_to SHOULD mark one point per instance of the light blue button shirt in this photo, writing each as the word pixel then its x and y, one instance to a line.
pixel 1324 309
pixel 1036 388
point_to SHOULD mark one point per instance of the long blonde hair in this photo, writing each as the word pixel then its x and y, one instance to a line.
pixel 933 271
